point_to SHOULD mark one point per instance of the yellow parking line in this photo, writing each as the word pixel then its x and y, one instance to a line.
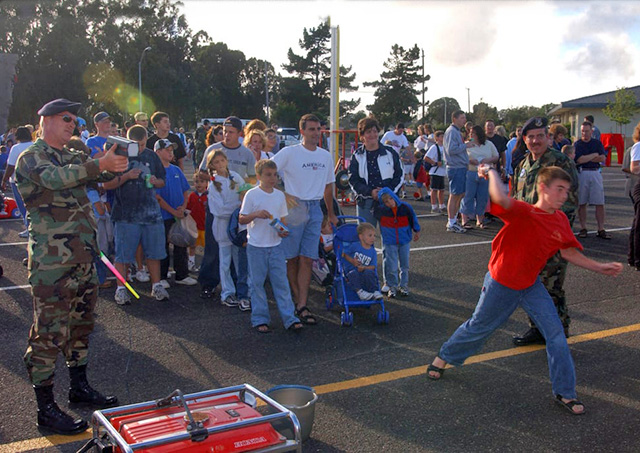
pixel 55 440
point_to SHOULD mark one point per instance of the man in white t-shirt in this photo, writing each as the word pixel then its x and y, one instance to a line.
pixel 307 173
pixel 396 138
pixel 438 171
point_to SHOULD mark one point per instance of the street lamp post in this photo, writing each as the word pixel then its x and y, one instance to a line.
pixel 140 79
pixel 468 100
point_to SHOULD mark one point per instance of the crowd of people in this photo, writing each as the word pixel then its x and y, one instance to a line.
pixel 261 212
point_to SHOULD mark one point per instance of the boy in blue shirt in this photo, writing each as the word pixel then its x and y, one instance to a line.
pixel 398 225
pixel 173 198
pixel 361 262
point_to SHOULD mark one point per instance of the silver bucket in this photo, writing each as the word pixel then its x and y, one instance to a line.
pixel 301 401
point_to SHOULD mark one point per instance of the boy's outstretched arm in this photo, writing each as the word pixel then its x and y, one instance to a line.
pixel 496 188
pixel 574 256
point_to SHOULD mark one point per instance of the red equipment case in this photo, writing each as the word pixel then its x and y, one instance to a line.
pixel 215 421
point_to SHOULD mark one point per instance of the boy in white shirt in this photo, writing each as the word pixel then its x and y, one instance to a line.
pixel 435 157
pixel 260 206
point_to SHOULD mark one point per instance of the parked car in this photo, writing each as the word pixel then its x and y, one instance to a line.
pixel 288 136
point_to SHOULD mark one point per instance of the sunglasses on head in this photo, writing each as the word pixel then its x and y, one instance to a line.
pixel 68 119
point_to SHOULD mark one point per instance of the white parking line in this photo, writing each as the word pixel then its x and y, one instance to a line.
pixel 13 243
pixel 9 288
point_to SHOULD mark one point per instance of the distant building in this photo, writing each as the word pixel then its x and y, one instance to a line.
pixel 573 112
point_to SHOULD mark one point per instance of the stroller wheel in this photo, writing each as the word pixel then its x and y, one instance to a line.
pixel 346 319
pixel 383 317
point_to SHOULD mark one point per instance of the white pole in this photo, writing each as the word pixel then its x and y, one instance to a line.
pixel 334 114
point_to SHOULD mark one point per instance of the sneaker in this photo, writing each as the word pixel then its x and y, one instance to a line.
pixel 165 284
pixel 364 295
pixel 122 296
pixel 129 276
pixel 403 194
pixel 377 295
pixel 385 288
pixel 231 301
pixel 244 304
pixel 392 293
pixel 404 292
pixel 171 274
pixel 435 209
pixel 143 276
pixel 159 291
pixel 187 281
pixel 193 267
pixel 24 234
pixel 455 228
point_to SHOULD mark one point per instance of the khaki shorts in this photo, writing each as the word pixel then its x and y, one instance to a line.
pixel 591 190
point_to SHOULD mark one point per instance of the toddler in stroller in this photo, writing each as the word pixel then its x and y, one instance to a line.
pixel 356 275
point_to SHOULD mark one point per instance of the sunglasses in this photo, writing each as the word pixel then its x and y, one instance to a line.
pixel 68 119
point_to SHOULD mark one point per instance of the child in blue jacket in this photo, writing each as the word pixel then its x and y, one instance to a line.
pixel 398 225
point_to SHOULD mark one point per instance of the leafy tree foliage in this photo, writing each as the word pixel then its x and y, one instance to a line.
pixel 623 107
pixel 513 117
pixel 315 68
pixel 396 95
pixel 437 114
pixel 483 112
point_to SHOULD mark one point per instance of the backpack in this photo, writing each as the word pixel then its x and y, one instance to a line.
pixel 237 238
pixel 427 165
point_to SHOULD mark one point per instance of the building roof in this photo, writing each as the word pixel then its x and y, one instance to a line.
pixel 595 101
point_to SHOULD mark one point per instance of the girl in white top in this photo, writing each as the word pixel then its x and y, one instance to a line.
pixel 223 199
pixel 256 141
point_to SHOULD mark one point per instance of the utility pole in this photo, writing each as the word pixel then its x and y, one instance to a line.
pixel 422 84
pixel 445 111
pixel 140 78
pixel 266 88
pixel 468 101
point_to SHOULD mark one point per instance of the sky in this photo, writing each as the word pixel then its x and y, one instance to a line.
pixel 507 53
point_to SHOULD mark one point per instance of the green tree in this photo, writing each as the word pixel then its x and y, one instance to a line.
pixel 440 110
pixel 513 117
pixel 315 68
pixel 396 95
pixel 482 112
pixel 623 107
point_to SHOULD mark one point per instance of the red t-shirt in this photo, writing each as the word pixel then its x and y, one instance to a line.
pixel 530 237
pixel 197 204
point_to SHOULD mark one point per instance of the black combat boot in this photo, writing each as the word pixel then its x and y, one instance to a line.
pixel 531 336
pixel 51 417
pixel 80 392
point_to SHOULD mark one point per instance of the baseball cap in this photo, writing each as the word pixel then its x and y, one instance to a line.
pixel 233 121
pixel 164 143
pixel 100 116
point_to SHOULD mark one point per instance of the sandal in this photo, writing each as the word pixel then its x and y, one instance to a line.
pixel 582 233
pixel 570 405
pixel 482 226
pixel 468 225
pixel 296 327
pixel 435 369
pixel 308 319
pixel 602 234
pixel 263 328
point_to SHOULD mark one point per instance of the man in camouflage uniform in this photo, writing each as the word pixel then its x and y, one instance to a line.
pixel 200 139
pixel 62 247
pixel 523 188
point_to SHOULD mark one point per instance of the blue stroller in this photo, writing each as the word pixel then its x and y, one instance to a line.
pixel 346 234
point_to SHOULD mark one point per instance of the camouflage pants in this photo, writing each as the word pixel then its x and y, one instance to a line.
pixel 63 303
pixel 198 156
pixel 552 277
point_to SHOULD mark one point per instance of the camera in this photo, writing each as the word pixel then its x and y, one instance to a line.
pixel 127 148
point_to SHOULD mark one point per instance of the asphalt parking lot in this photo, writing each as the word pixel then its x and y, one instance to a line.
pixel 373 394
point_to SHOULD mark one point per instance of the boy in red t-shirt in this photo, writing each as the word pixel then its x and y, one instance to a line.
pixel 197 204
pixel 513 281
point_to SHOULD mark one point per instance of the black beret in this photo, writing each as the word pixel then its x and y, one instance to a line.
pixel 58 106
pixel 537 122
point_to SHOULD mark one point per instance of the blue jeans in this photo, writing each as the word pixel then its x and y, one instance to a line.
pixel 495 305
pixel 209 276
pixel 366 211
pixel 242 281
pixel 20 203
pixel 366 280
pixel 270 261
pixel 391 255
pixel 476 196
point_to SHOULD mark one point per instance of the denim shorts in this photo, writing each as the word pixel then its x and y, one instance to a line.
pixel 457 180
pixel 129 235
pixel 304 222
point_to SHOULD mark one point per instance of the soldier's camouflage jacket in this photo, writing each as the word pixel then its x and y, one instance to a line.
pixel 53 184
pixel 523 184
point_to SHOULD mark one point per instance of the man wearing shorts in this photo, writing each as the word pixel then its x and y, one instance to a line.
pixel 437 172
pixel 307 173
pixel 455 154
pixel 589 154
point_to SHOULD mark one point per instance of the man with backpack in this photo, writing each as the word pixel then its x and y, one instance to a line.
pixel 434 164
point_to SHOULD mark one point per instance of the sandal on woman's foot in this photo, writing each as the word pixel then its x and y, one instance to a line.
pixel 308 319
pixel 482 226
pixel 468 225
pixel 435 369
pixel 582 233
pixel 602 234
pixel 296 327
pixel 569 405
pixel 263 328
